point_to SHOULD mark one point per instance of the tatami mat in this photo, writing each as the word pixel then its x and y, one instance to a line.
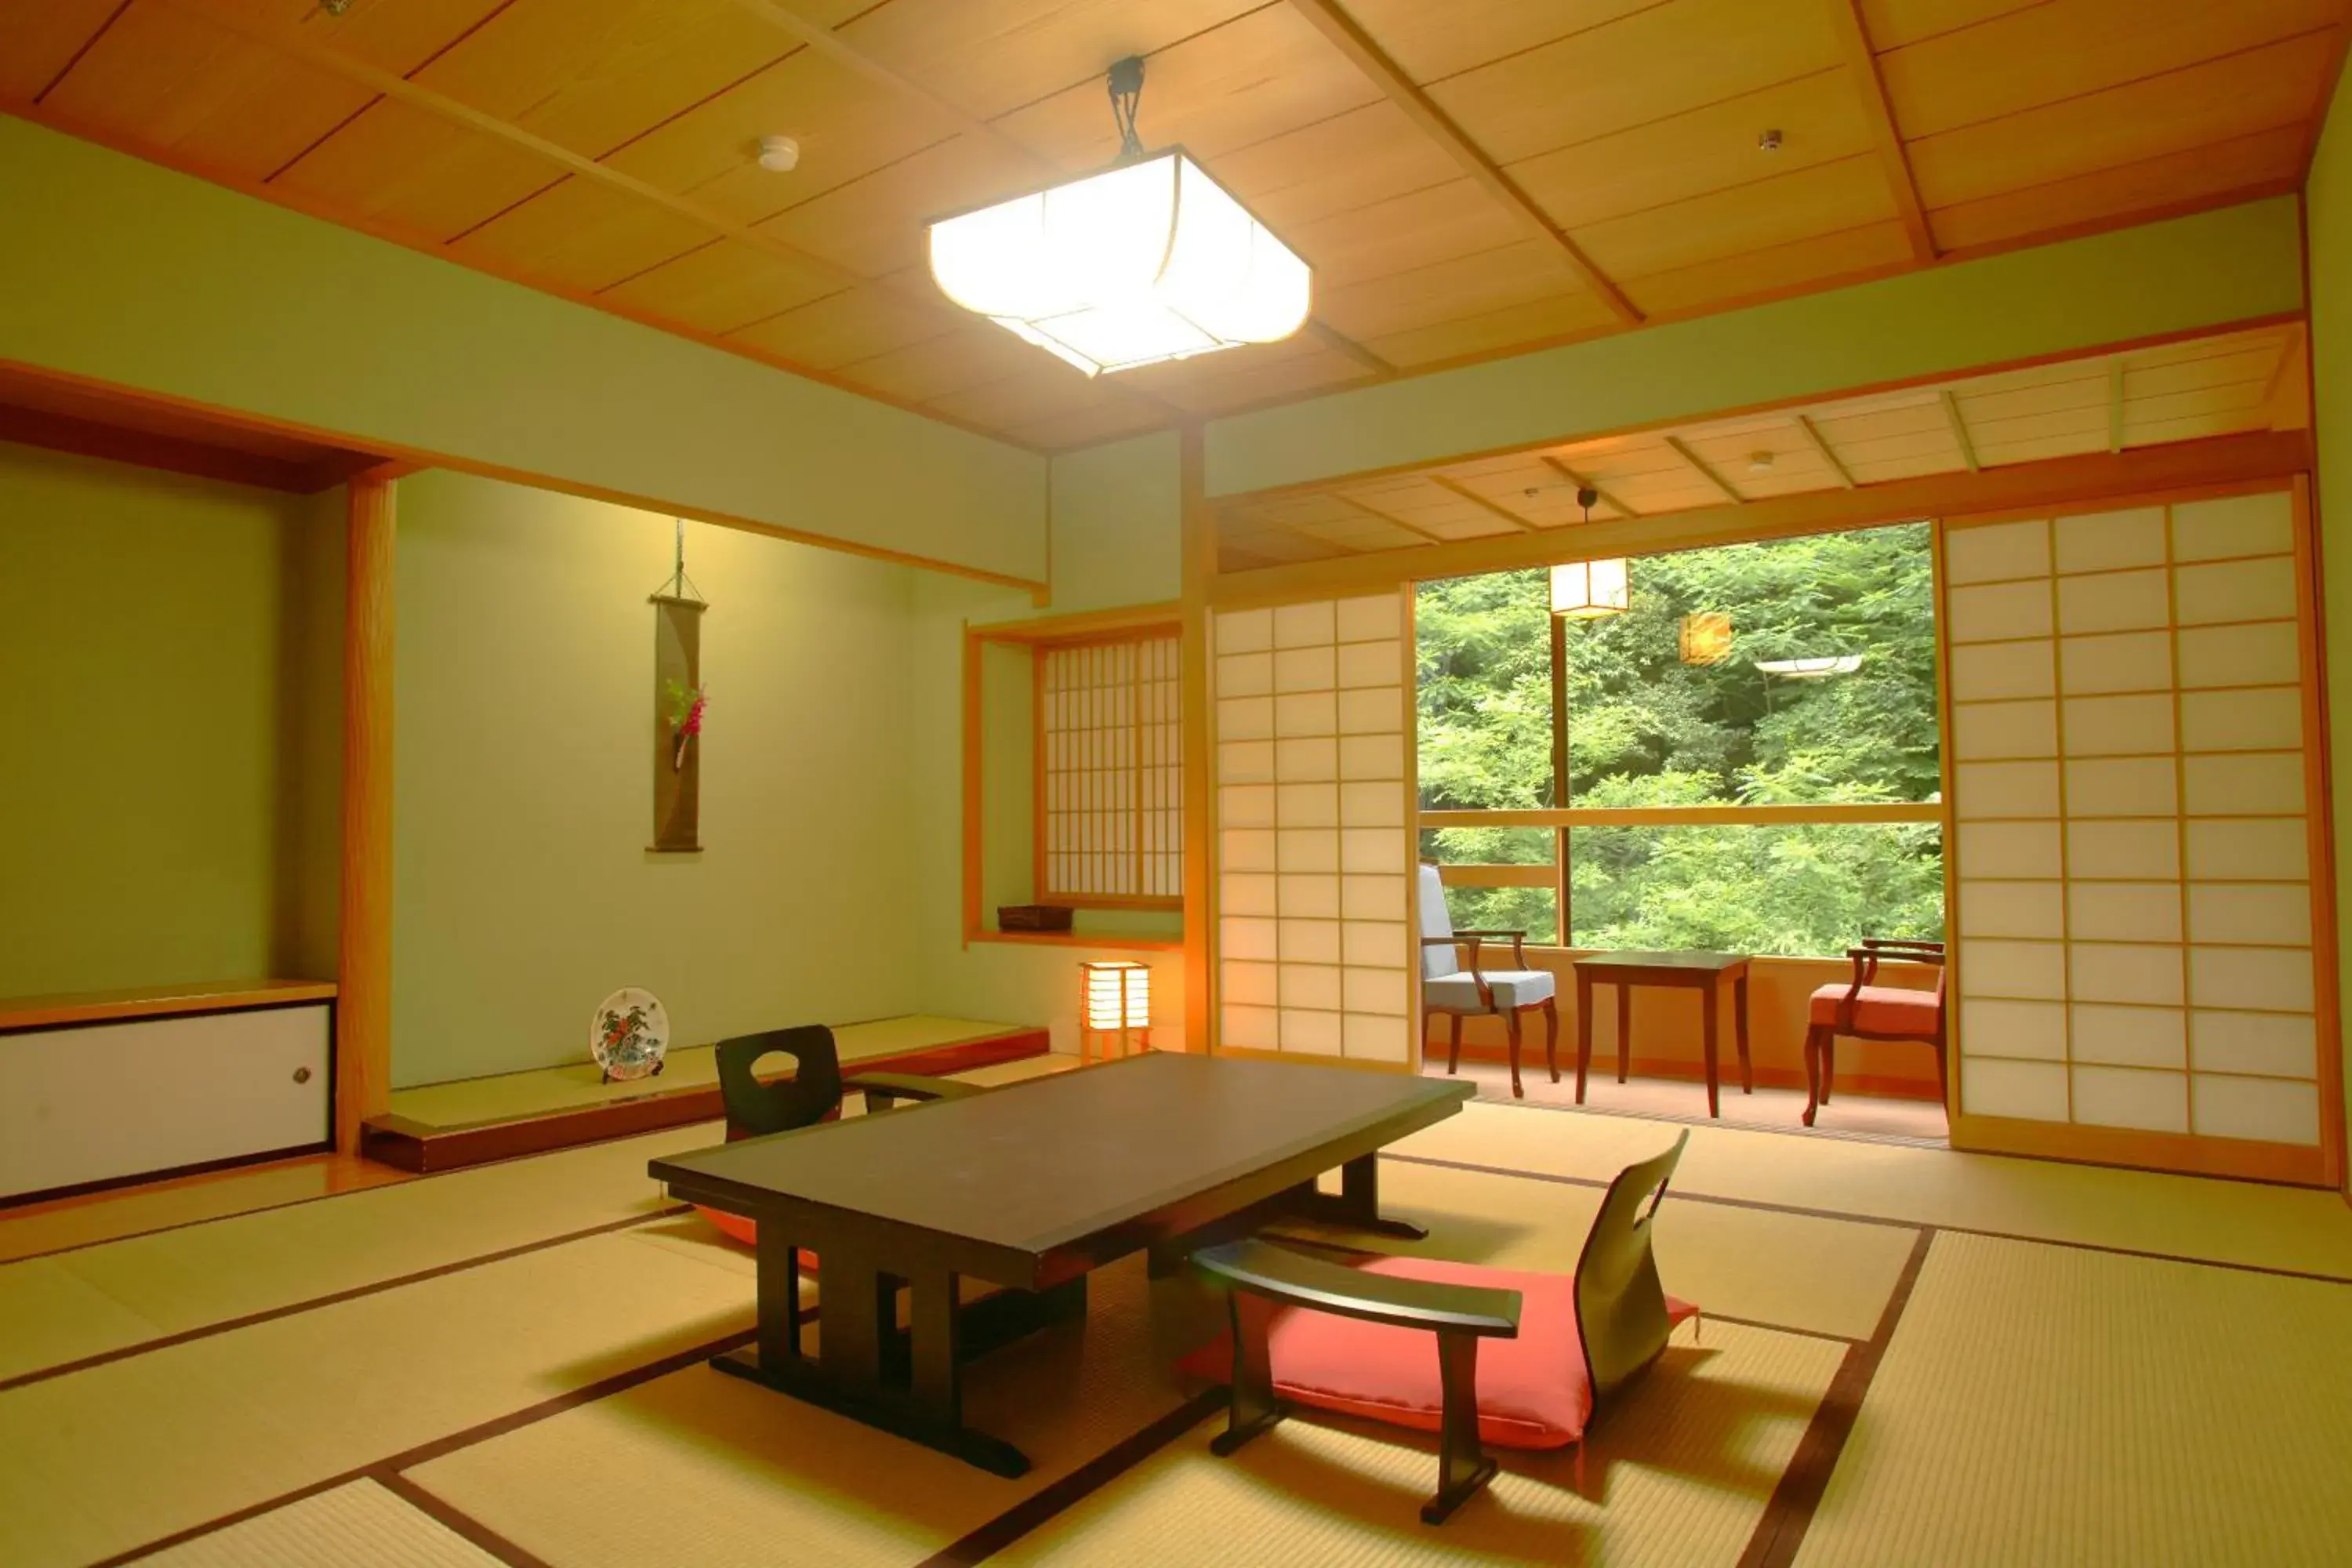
pixel 504 1095
pixel 1679 1473
pixel 102 1298
pixel 357 1526
pixel 2233 1222
pixel 101 1461
pixel 704 1469
pixel 2046 1405
pixel 1793 1271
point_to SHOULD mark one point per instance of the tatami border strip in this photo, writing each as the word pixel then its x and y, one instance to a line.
pixel 1686 1194
pixel 1789 1513
pixel 1089 1477
pixel 455 1520
pixel 424 1453
pixel 311 1304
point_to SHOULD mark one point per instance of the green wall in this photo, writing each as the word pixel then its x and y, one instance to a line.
pixel 2328 218
pixel 170 783
pixel 1119 524
pixel 2206 270
pixel 524 891
pixel 153 280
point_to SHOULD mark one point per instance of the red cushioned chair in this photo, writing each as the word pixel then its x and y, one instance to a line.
pixel 1309 1331
pixel 1869 1011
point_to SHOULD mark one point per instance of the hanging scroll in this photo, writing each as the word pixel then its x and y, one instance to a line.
pixel 677 709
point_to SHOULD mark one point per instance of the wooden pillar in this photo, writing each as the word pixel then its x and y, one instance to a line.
pixel 1199 564
pixel 363 1003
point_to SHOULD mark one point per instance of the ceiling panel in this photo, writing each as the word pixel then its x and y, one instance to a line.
pixel 429 175
pixel 2068 49
pixel 37 42
pixel 2269 160
pixel 1548 318
pixel 2220 385
pixel 2277 85
pixel 722 285
pixel 1429 42
pixel 1664 61
pixel 1828 198
pixel 1824 259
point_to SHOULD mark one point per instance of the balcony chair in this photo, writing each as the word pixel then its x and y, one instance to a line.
pixel 1477 992
pixel 1869 1011
pixel 757 1107
pixel 1309 1331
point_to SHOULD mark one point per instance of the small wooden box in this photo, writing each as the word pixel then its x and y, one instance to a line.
pixel 1033 916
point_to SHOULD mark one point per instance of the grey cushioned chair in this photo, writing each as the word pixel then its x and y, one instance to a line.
pixel 1449 987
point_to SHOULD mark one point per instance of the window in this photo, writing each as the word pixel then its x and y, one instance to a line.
pixel 1746 758
pixel 1110 772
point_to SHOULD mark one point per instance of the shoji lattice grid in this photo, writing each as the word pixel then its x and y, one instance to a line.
pixel 2135 843
pixel 1312 706
pixel 1110 771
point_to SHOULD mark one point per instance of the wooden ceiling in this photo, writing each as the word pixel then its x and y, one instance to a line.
pixel 2224 384
pixel 1468 177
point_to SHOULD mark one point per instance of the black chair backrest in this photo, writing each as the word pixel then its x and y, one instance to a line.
pixel 1621 1308
pixel 755 1109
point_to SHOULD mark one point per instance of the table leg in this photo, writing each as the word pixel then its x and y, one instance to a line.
pixel 1624 1027
pixel 910 1386
pixel 1583 1031
pixel 1712 1005
pixel 778 1274
pixel 1739 1028
pixel 1358 1204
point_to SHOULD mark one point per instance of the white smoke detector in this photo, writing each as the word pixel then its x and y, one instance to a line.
pixel 780 154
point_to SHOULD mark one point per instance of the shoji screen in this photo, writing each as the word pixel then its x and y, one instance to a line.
pixel 1312 716
pixel 2131 708
pixel 1110 784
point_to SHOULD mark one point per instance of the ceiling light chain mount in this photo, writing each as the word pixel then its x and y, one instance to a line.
pixel 1145 261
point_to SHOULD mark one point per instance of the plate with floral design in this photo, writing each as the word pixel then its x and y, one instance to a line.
pixel 628 1035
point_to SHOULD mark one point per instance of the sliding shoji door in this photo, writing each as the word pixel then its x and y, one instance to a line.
pixel 2139 855
pixel 1313 800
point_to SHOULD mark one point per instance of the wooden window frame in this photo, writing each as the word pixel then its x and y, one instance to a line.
pixel 1041 823
pixel 1138 621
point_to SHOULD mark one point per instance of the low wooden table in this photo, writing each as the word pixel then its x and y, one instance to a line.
pixel 1703 972
pixel 1028 1187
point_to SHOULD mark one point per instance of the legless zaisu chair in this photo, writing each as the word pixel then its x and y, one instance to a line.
pixel 813 1094
pixel 1308 1330
pixel 1477 992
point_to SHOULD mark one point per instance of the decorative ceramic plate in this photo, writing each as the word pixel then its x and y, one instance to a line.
pixel 629 1034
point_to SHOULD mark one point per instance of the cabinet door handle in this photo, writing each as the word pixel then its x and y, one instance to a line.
pixel 301 1074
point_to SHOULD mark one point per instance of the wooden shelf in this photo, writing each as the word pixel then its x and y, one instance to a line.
pixel 1078 939
pixel 157 1002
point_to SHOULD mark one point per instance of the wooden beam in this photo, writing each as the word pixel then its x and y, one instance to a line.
pixel 2260 457
pixel 1198 571
pixel 1581 482
pixel 1886 137
pixel 1820 444
pixel 1951 407
pixel 1730 491
pixel 149 450
pixel 2114 405
pixel 1351 40
pixel 1457 488
pixel 363 968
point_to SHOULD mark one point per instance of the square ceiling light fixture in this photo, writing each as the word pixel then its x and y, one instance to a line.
pixel 1146 261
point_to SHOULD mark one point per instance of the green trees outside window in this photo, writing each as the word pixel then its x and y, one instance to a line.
pixel 1646 728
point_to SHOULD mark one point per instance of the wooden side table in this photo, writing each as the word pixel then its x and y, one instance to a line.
pixel 1703 972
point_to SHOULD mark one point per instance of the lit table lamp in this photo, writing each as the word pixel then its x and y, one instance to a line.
pixel 1116 1003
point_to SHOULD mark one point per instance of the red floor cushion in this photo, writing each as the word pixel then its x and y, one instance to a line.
pixel 1532 1392
pixel 737 1228
pixel 1879 1009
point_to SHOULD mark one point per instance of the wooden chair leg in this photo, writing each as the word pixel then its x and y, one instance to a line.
pixel 1255 1407
pixel 1829 1063
pixel 1812 1071
pixel 1462 1467
pixel 1551 1036
pixel 1453 1043
pixel 1624 1029
pixel 1511 1024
